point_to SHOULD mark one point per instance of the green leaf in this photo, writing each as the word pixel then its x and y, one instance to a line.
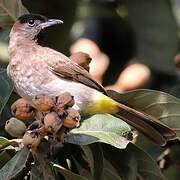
pixel 4 158
pixel 4 142
pixel 15 165
pixel 132 163
pixel 80 161
pixel 156 33
pixel 109 172
pixel 100 128
pixel 81 170
pixel 6 89
pixel 147 167
pixel 10 11
pixel 162 106
pixel 122 160
pixel 10 150
pixel 94 156
pixel 68 175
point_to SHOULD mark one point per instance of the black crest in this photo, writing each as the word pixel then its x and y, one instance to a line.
pixel 27 17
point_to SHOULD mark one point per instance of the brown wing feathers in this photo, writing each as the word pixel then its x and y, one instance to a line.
pixel 71 70
pixel 151 128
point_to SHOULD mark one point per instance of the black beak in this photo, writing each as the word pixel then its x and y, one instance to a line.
pixel 50 22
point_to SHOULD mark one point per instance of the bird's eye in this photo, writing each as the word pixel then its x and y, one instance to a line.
pixel 31 22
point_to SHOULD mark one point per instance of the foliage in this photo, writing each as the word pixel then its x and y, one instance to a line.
pixel 15 165
pixel 10 11
pixel 153 23
pixel 160 105
pixel 6 89
pixel 102 147
pixel 101 128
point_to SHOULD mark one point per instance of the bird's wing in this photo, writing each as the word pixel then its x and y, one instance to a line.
pixel 64 67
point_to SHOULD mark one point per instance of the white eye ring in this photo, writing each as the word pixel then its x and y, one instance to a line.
pixel 31 22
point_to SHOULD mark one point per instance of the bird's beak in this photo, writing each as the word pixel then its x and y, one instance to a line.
pixel 50 22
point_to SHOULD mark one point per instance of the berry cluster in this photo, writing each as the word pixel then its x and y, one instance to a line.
pixel 50 119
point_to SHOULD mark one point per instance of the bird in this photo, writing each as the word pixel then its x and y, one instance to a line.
pixel 37 70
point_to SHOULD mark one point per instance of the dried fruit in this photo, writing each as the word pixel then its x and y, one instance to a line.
pixel 31 139
pixel 64 101
pixel 72 119
pixel 43 103
pixel 22 110
pixel 15 127
pixel 52 122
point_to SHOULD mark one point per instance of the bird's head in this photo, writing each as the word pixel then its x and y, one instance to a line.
pixel 30 25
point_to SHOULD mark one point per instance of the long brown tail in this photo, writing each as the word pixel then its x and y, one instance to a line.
pixel 148 125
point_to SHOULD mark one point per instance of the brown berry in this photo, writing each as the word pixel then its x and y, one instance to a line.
pixel 43 103
pixel 31 139
pixel 64 101
pixel 15 127
pixel 72 119
pixel 22 110
pixel 52 122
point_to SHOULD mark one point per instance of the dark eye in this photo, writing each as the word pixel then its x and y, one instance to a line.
pixel 31 22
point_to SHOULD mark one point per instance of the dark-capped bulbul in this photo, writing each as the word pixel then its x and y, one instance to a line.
pixel 37 70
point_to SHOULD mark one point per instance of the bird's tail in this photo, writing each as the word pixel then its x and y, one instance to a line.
pixel 146 124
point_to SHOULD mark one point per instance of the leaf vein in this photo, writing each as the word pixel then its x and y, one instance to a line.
pixel 168 115
pixel 159 103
